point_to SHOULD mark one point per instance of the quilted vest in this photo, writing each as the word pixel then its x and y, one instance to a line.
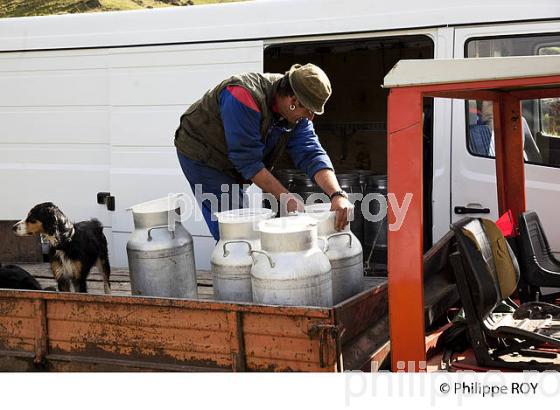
pixel 201 137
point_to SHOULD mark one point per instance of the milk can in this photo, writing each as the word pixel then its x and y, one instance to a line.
pixel 350 182
pixel 231 259
pixel 290 269
pixel 160 251
pixel 375 232
pixel 343 250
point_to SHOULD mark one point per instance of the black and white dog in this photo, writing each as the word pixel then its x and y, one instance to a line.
pixel 74 247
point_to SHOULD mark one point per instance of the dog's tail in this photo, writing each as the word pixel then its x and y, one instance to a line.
pixel 103 261
pixel 98 231
pixel 97 226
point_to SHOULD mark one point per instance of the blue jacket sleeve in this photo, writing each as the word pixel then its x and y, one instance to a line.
pixel 241 120
pixel 306 150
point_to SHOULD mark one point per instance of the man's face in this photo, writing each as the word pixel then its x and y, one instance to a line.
pixel 300 112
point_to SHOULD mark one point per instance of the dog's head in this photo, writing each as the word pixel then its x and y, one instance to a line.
pixel 44 219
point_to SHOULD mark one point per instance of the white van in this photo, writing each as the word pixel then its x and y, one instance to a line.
pixel 89 103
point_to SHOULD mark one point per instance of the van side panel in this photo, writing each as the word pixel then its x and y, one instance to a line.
pixel 54 127
pixel 150 88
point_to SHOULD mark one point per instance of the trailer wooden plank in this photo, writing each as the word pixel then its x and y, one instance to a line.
pixel 17 327
pixel 278 365
pixel 285 348
pixel 293 326
pixel 134 315
pixel 367 349
pixel 73 363
pixel 362 311
pixel 205 291
pixel 16 308
pixel 308 311
pixel 94 276
pixel 202 279
pixel 122 289
pixel 205 297
pixel 142 337
pixel 43 271
pixel 76 350
pixel 120 280
pixel 93 287
pixel 17 343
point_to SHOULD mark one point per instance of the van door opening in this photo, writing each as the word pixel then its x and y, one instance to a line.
pixel 353 129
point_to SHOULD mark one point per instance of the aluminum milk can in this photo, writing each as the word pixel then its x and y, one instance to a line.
pixel 343 250
pixel 231 259
pixel 160 251
pixel 290 269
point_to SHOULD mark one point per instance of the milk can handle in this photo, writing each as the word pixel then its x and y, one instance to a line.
pixel 339 234
pixel 226 252
pixel 159 227
pixel 265 253
pixel 325 243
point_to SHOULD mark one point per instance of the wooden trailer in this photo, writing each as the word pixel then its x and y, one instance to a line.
pixel 93 332
pixel 51 331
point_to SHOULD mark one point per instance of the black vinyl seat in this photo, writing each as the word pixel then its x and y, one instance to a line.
pixel 487 272
pixel 539 267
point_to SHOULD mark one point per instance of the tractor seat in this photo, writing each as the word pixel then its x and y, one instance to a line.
pixel 487 273
pixel 539 267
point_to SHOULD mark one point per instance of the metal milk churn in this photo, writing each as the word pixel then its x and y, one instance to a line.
pixel 375 232
pixel 231 259
pixel 160 251
pixel 344 251
pixel 290 269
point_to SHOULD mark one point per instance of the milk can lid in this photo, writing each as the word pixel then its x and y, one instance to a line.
pixel 165 204
pixel 288 224
pixel 244 215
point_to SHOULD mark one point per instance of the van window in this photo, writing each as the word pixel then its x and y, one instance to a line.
pixel 540 118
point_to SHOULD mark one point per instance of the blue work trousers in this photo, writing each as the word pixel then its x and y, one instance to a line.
pixel 214 191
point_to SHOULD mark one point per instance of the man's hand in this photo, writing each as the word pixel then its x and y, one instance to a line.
pixel 293 204
pixel 268 183
pixel 326 179
pixel 344 211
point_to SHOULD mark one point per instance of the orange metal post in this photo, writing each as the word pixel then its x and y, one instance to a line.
pixel 406 305
pixel 405 278
pixel 510 171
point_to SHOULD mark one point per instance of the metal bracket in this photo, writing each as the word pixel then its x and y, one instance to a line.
pixel 105 198
pixel 327 335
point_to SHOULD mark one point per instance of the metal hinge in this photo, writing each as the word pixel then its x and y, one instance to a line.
pixel 329 339
pixel 105 198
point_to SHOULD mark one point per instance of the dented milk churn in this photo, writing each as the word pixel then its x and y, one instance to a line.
pixel 343 250
pixel 290 268
pixel 231 259
pixel 160 251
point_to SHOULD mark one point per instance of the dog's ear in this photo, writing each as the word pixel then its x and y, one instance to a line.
pixel 44 206
pixel 63 224
pixel 46 214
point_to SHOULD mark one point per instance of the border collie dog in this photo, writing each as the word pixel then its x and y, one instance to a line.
pixel 74 247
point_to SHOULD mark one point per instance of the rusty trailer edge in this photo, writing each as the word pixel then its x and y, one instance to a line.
pixel 83 332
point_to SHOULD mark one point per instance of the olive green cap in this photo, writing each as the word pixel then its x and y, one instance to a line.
pixel 311 86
